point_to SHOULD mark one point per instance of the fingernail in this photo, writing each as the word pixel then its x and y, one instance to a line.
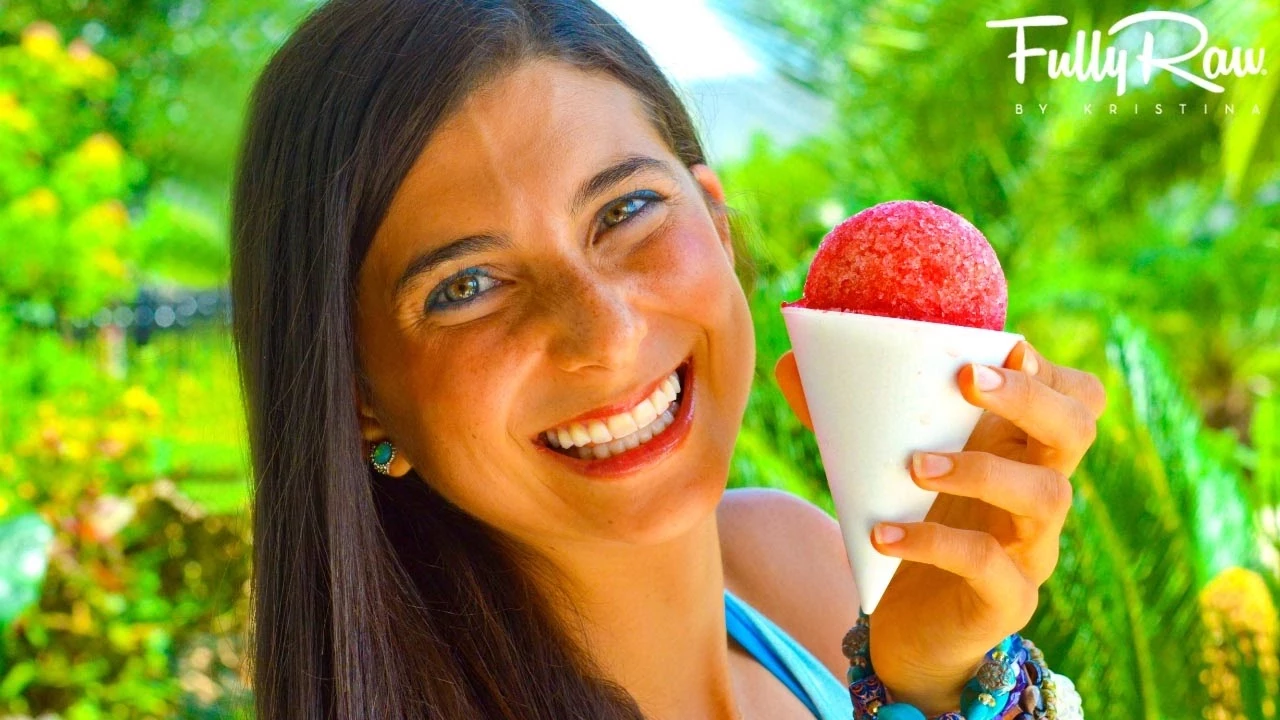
pixel 986 378
pixel 1030 365
pixel 886 534
pixel 929 465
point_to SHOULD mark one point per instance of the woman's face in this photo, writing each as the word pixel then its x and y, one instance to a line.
pixel 590 268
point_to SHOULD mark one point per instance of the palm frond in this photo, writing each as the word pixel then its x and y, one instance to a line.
pixel 1121 608
pixel 1203 479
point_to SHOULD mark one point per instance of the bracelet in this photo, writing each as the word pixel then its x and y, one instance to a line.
pixel 1013 683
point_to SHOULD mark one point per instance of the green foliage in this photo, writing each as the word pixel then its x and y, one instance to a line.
pixel 1206 486
pixel 143 611
pixel 187 67
pixel 782 200
pixel 64 200
pixel 60 212
pixel 1264 490
pixel 136 585
pixel 1160 514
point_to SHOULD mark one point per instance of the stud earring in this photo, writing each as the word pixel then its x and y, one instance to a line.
pixel 382 455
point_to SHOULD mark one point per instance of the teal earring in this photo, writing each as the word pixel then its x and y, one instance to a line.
pixel 382 455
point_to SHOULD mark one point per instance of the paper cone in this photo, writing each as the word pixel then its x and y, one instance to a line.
pixel 878 390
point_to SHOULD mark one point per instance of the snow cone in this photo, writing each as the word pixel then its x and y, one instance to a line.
pixel 898 298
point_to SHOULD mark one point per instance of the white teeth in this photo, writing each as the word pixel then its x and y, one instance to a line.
pixel 624 431
pixel 644 413
pixel 664 395
pixel 622 425
pixel 659 399
pixel 599 432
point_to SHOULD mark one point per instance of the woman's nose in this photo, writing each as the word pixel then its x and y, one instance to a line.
pixel 594 322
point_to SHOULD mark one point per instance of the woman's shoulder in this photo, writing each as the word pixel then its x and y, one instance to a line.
pixel 785 557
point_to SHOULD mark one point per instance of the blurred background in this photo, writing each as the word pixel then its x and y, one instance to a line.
pixel 1143 247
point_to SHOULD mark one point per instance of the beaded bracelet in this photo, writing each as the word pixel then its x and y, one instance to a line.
pixel 1013 683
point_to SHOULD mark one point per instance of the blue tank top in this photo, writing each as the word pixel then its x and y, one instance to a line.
pixel 825 695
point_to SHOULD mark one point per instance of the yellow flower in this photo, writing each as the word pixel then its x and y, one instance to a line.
pixel 1241 619
pixel 110 213
pixel 106 260
pixel 103 150
pixel 120 431
pixel 41 40
pixel 1241 597
pixel 136 398
pixel 14 115
pixel 41 202
pixel 81 618
pixel 75 450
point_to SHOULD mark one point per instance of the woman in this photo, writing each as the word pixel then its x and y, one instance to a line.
pixel 464 230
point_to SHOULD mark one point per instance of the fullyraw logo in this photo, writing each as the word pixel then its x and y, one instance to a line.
pixel 1092 62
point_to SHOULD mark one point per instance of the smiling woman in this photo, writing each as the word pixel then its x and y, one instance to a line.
pixel 496 351
pixel 482 237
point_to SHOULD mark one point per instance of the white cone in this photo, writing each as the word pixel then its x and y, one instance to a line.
pixel 878 390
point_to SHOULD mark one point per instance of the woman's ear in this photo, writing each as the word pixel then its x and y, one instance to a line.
pixel 372 431
pixel 370 427
pixel 714 192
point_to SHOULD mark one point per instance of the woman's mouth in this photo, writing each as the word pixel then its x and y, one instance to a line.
pixel 602 438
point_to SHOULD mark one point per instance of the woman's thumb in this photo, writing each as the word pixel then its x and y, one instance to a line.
pixel 787 375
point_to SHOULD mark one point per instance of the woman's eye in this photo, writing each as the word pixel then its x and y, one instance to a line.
pixel 469 284
pixel 460 289
pixel 636 203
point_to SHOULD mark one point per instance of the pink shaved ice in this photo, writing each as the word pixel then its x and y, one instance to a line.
pixel 912 260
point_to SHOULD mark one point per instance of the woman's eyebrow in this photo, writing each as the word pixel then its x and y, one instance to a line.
pixel 428 261
pixel 598 183
pixel 611 176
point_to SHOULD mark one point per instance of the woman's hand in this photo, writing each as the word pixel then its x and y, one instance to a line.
pixel 972 570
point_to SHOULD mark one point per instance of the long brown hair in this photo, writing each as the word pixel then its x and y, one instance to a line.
pixel 376 597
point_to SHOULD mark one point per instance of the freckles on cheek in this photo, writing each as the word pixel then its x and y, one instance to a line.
pixel 446 394
pixel 463 395
pixel 444 418
pixel 695 271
